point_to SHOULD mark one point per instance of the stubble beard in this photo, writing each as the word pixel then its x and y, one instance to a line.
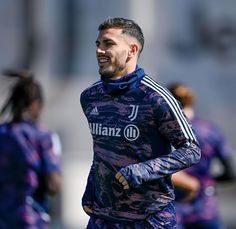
pixel 111 73
pixel 106 73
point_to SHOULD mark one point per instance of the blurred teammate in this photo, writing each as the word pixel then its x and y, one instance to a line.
pixel 198 208
pixel 133 121
pixel 29 165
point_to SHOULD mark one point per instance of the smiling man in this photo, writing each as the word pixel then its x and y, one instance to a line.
pixel 135 124
pixel 121 56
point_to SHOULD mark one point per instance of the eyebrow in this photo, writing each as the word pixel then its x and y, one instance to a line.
pixel 105 40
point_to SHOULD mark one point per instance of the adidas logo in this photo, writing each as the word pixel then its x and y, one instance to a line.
pixel 94 111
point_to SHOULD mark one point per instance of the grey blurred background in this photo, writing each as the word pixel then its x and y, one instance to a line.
pixel 191 41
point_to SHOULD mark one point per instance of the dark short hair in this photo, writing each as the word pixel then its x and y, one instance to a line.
pixel 128 26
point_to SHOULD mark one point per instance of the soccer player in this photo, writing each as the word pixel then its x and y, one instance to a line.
pixel 135 123
pixel 29 163
pixel 197 205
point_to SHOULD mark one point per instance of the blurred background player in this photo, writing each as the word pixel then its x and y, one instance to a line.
pixel 29 164
pixel 197 205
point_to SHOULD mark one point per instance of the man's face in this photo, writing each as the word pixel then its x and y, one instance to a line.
pixel 112 53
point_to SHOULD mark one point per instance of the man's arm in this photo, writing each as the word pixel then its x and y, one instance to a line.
pixel 53 182
pixel 187 183
pixel 87 199
pixel 173 125
pixel 50 156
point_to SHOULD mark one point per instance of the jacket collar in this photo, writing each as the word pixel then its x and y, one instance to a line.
pixel 126 82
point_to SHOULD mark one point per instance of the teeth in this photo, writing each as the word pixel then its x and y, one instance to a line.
pixel 102 60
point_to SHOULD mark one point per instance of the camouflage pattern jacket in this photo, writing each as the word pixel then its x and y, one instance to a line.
pixel 135 124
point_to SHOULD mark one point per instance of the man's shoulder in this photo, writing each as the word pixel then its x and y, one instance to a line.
pixel 92 88
pixel 33 130
pixel 153 87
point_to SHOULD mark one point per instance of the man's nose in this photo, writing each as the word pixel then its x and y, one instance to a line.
pixel 100 50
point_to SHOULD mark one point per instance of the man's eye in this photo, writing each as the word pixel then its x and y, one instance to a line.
pixel 109 44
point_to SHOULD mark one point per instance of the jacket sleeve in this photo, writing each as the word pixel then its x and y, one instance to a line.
pixel 50 153
pixel 87 198
pixel 173 125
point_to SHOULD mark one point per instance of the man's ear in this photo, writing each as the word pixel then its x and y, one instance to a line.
pixel 133 50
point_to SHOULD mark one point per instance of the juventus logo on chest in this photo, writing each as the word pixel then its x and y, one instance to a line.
pixel 134 112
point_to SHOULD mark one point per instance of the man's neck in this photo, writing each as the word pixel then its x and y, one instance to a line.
pixel 124 73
